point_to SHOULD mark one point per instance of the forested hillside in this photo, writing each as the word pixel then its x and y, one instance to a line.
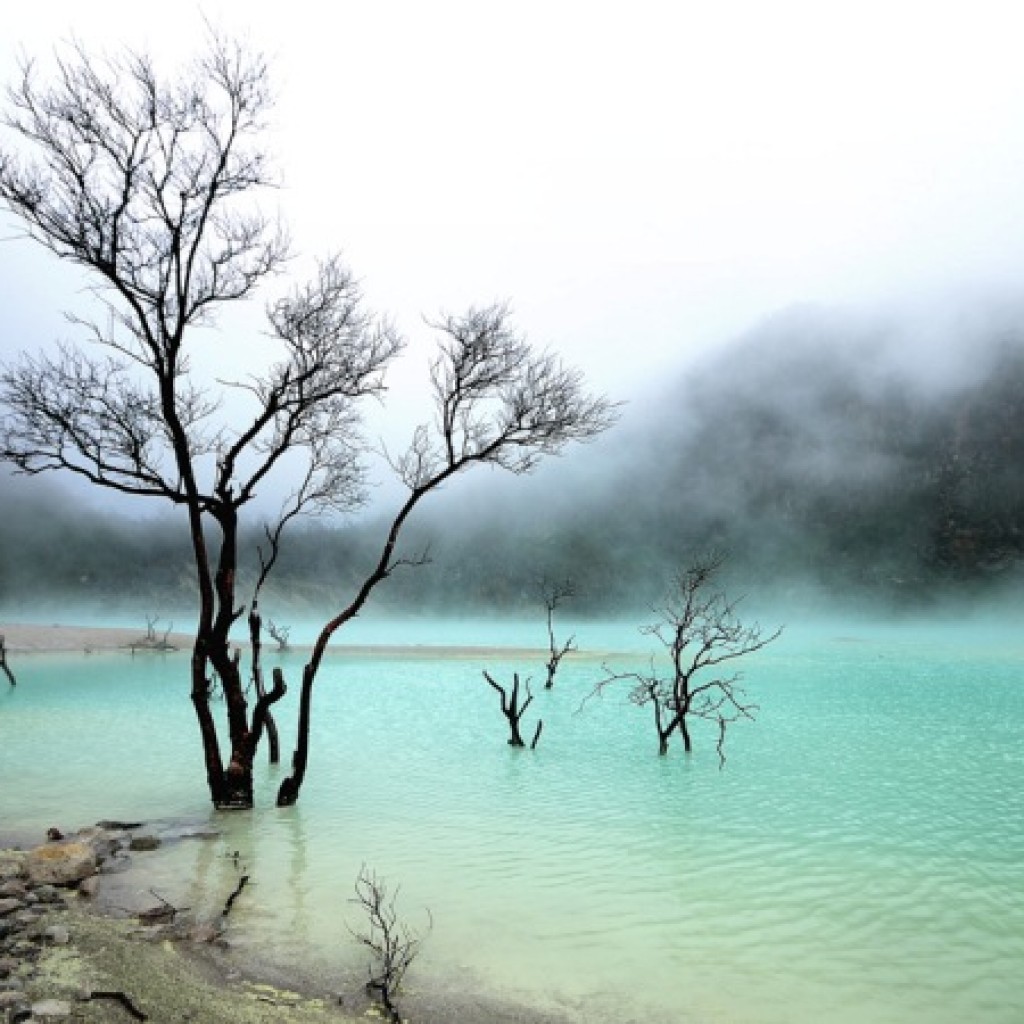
pixel 812 454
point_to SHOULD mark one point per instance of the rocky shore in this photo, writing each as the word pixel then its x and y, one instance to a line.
pixel 63 958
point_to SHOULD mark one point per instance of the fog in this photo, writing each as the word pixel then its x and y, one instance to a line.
pixel 788 237
pixel 837 471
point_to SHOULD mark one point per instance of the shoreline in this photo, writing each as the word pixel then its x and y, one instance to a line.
pixel 219 981
pixel 192 969
pixel 23 639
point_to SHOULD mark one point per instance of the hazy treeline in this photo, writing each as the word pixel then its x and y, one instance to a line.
pixel 815 451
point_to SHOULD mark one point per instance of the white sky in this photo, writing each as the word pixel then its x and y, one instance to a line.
pixel 640 179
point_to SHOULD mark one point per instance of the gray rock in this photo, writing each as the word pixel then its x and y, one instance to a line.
pixel 10 999
pixel 48 894
pixel 13 887
pixel 12 864
pixel 119 862
pixel 117 826
pixel 204 933
pixel 88 887
pixel 61 863
pixel 51 1009
pixel 58 934
pixel 193 831
pixel 105 843
pixel 146 842
pixel 8 905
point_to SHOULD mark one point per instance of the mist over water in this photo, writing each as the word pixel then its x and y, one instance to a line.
pixel 860 857
pixel 840 459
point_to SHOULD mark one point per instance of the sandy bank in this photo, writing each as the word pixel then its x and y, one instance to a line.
pixel 168 981
pixel 23 639
pixel 57 639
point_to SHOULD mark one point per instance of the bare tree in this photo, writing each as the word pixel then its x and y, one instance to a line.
pixel 152 642
pixel 393 944
pixel 497 403
pixel 279 634
pixel 147 184
pixel 553 594
pixel 513 710
pixel 700 631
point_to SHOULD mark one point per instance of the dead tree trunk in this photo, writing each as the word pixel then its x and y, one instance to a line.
pixel 288 791
pixel 255 626
pixel 513 711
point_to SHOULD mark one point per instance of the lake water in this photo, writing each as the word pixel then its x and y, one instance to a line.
pixel 860 858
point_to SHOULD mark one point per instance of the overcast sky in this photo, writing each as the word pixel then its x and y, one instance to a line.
pixel 640 179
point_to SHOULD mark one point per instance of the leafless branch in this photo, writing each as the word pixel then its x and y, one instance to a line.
pixel 553 594
pixel 699 630
pixel 512 709
pixel 392 943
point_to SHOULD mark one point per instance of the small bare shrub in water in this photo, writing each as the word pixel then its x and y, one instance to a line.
pixel 392 943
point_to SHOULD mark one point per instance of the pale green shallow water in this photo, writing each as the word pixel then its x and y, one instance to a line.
pixel 860 858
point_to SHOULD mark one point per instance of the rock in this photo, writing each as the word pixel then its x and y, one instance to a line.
pixel 119 862
pixel 191 831
pixel 51 1009
pixel 12 864
pixel 58 934
pixel 48 894
pixel 118 826
pixel 11 998
pixel 205 933
pixel 146 842
pixel 102 842
pixel 13 887
pixel 61 863
pixel 9 904
pixel 88 887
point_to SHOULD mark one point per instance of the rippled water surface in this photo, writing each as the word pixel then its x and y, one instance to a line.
pixel 859 859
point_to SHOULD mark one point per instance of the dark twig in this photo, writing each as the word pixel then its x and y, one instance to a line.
pixel 234 896
pixel 121 998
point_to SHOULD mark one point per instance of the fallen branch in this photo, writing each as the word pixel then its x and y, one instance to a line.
pixel 123 999
pixel 234 896
pixel 158 915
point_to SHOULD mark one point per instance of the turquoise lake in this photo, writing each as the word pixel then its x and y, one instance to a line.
pixel 859 858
